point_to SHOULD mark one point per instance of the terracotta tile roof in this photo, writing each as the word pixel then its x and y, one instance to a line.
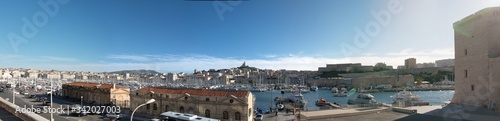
pixel 93 85
pixel 200 92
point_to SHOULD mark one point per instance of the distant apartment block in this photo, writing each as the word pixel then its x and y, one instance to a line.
pixel 410 63
pixel 445 63
pixel 477 59
pixel 426 65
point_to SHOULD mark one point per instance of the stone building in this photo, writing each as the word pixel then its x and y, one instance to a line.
pixel 226 105
pixel 410 63
pixel 376 80
pixel 477 59
pixel 97 94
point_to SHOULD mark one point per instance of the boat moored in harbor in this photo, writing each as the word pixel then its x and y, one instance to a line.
pixel 406 98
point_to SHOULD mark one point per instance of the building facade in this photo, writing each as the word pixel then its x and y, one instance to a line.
pixel 226 105
pixel 371 81
pixel 410 63
pixel 97 94
pixel 445 63
pixel 477 59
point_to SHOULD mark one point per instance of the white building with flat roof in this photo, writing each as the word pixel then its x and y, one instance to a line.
pixel 445 63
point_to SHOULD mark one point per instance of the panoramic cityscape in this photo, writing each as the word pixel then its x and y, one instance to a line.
pixel 211 60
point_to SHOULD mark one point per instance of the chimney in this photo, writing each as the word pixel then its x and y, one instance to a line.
pixel 114 86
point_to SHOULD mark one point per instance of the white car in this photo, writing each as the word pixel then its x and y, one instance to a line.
pixel 114 115
pixel 259 117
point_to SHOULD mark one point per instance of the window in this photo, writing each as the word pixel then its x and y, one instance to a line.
pixel 207 113
pixel 465 73
pixel 155 107
pixel 465 51
pixel 136 93
pixel 207 99
pixel 225 115
pixel 151 95
pixel 186 98
pixel 472 87
pixel 231 101
pixel 181 109
pixel 147 106
pixel 166 107
pixel 237 116
pixel 249 112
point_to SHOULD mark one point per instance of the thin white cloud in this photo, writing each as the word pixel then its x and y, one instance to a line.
pixel 54 58
pixel 129 57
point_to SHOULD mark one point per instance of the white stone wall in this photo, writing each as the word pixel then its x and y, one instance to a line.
pixel 476 47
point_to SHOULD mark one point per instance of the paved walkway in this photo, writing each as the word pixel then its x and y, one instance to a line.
pixel 282 116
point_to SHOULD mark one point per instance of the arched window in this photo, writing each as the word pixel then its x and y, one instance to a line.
pixel 181 109
pixel 147 106
pixel 207 113
pixel 155 107
pixel 166 107
pixel 237 116
pixel 225 115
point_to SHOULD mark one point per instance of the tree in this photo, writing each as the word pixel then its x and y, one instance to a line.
pixel 419 80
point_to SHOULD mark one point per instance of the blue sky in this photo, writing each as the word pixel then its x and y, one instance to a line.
pixel 177 35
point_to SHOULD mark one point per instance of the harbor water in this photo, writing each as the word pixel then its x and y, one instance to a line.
pixel 265 99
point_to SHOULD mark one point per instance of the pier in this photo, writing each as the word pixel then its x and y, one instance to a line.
pixel 409 89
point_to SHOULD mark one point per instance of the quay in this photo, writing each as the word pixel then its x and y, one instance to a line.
pixel 415 113
pixel 327 114
pixel 409 89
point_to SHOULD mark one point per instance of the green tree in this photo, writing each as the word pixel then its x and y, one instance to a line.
pixel 419 80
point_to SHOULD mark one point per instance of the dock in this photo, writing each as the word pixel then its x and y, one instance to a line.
pixel 328 114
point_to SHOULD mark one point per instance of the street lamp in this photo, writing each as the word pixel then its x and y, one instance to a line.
pixel 81 100
pixel 148 102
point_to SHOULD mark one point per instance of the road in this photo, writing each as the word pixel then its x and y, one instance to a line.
pixel 22 100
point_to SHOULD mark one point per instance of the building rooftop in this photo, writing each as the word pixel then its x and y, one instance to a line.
pixel 200 92
pixel 95 85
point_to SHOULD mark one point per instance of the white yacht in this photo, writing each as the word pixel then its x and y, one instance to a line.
pixel 406 98
pixel 297 98
pixel 314 88
pixel 363 99
pixel 341 93
pixel 335 90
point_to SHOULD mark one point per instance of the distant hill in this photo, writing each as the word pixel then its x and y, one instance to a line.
pixel 136 72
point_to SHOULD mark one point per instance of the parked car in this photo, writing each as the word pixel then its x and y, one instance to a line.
pixel 114 115
pixel 32 96
pixel 41 99
pixel 46 103
pixel 40 108
pixel 259 117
